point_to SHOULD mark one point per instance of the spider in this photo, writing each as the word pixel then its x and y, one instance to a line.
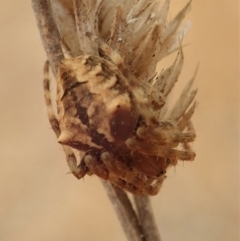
pixel 112 118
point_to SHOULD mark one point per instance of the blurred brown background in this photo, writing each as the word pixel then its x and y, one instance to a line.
pixel 198 201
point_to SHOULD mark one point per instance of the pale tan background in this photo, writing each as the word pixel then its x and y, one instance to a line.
pixel 198 202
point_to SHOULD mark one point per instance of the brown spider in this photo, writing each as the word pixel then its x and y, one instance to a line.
pixel 114 120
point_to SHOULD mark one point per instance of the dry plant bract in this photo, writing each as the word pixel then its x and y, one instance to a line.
pixel 111 102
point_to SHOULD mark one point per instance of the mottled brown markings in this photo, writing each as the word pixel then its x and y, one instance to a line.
pixel 77 84
pixel 78 145
pixel 67 103
pixel 46 84
pixel 55 125
pixel 100 139
pixel 66 78
pixel 106 71
pixel 112 97
pixel 154 121
pixel 83 94
pixel 119 85
pixel 81 100
pixel 82 166
pixel 70 89
pixel 92 61
pixel 75 98
pixel 124 71
pixel 122 124
pixel 82 114
pixel 78 94
pixel 103 54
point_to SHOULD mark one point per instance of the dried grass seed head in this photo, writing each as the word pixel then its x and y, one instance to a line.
pixel 111 100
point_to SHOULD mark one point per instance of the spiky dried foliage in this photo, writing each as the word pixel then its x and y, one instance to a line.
pixel 128 38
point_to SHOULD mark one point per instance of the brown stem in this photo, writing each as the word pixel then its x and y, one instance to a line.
pixel 49 33
pixel 125 212
pixel 146 218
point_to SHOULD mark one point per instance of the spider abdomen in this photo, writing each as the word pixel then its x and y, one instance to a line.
pixel 93 96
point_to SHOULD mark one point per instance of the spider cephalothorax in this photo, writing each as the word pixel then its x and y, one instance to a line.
pixel 104 112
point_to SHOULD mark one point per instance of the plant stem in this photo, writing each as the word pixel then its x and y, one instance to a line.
pixel 125 212
pixel 146 218
pixel 49 33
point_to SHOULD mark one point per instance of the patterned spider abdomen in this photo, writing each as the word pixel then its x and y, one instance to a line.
pixel 95 105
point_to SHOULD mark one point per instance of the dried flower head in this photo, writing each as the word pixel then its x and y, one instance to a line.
pixel 111 102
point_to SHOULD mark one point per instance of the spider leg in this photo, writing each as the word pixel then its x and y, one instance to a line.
pixel 80 170
pixel 141 146
pixel 151 189
pixel 152 166
pixel 160 136
pixel 115 171
pixel 124 185
pixel 132 181
pixel 95 166
pixel 47 95
pixel 155 185
pixel 187 147
pixel 114 165
pixel 117 166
